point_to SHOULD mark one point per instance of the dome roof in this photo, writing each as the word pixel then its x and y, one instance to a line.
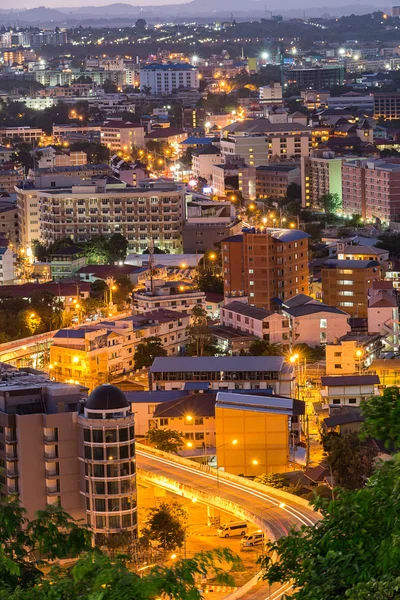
pixel 107 397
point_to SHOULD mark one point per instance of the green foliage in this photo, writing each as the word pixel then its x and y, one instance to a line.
pixel 276 480
pixel 390 242
pixel 264 348
pixel 382 417
pixel 167 440
pixel 53 533
pixel 147 351
pixel 208 282
pixel 200 341
pixel 101 250
pixel 97 154
pixel 20 318
pixel 124 288
pixel 353 551
pixel 165 525
pixel 330 203
pixel 351 459
pixel 97 577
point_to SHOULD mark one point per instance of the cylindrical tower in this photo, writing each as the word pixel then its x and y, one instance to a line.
pixel 107 451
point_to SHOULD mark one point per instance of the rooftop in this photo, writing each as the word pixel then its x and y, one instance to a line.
pixel 340 380
pixel 248 310
pixel 313 308
pixel 334 263
pixel 195 405
pixel 270 404
pixel 165 133
pixel 219 363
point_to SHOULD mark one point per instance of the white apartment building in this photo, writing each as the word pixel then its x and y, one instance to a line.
pixel 203 161
pixel 258 141
pixel 140 214
pixel 271 94
pixel 165 78
pixel 383 317
pixel 259 322
pixel 171 295
pixel 7 266
pixel 121 135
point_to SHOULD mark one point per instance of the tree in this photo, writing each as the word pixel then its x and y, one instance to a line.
pixel 165 525
pixel 52 533
pixel 140 25
pixel 166 440
pixel 382 417
pixel 390 242
pixel 330 203
pixel 147 351
pixel 264 348
pixel 117 247
pixel 97 577
pixel 124 288
pixel 96 251
pixel 352 460
pixel 199 334
pixel 208 282
pixel 276 480
pixel 352 553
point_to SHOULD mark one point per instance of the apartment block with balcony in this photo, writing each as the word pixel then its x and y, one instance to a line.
pixel 321 173
pixel 345 284
pixel 371 188
pixel 154 211
pixel 258 141
pixel 264 264
pixel 172 295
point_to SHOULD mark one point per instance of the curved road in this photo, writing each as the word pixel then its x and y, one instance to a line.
pixel 279 518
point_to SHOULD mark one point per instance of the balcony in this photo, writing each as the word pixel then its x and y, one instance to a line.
pixel 54 472
pixel 50 456
pixel 52 490
pixel 51 438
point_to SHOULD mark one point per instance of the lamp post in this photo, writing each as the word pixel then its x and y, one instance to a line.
pixel 233 442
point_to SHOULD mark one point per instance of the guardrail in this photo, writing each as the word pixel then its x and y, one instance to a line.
pixel 252 485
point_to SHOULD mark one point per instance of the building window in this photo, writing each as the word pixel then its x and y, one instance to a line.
pixel 337 366
pixel 163 422
pixel 323 323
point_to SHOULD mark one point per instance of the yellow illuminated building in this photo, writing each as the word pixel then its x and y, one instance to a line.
pixel 253 432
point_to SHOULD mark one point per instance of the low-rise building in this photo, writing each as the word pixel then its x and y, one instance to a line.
pixel 348 390
pixel 347 250
pixel 352 354
pixel 9 178
pixel 383 318
pixel 253 432
pixel 321 174
pixel 173 295
pixel 122 136
pixel 68 293
pixel 66 262
pixel 315 323
pixel 258 322
pixel 207 223
pixel 224 373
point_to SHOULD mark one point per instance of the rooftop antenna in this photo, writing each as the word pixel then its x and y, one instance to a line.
pixel 242 55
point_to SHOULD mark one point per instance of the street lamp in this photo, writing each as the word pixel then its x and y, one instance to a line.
pixel 233 442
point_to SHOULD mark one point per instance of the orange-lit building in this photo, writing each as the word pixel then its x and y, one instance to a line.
pixel 254 431
pixel 263 264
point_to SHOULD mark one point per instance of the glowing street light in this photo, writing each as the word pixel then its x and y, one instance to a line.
pixel 189 418
pixel 254 461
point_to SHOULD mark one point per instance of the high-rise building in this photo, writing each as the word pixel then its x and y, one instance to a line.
pixel 371 188
pixel 106 441
pixel 58 447
pixel 387 105
pixel 154 211
pixel 317 78
pixel 265 264
pixel 321 174
pixel 166 78
pixel 345 284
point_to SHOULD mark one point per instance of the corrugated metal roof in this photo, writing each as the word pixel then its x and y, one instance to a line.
pixel 175 364
pixel 248 310
pixel 340 380
pixel 195 405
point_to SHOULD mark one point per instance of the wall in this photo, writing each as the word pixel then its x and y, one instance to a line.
pixel 262 437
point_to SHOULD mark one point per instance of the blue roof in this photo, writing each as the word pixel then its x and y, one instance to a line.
pixel 193 385
pixel 173 66
pixel 156 396
pixel 196 140
pixel 70 333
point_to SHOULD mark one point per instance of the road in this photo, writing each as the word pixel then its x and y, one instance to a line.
pixel 279 518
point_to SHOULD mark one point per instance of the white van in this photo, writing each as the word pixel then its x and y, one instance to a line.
pixel 232 529
pixel 253 539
